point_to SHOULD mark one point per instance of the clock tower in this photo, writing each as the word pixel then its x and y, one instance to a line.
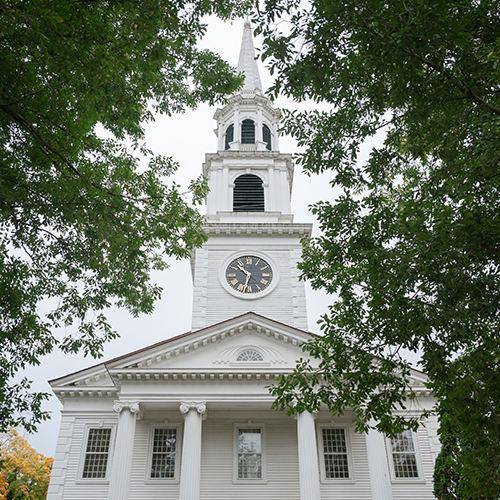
pixel 249 262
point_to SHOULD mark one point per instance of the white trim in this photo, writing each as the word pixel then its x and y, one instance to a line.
pixel 83 454
pixel 263 442
pixel 350 465
pixel 245 253
pixel 418 459
pixel 178 448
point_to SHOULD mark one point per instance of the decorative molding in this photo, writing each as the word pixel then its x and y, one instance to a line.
pixel 199 406
pixel 270 355
pixel 238 228
pixel 133 406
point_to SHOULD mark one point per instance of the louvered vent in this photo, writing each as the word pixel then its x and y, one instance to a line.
pixel 229 136
pixel 247 132
pixel 248 194
pixel 266 136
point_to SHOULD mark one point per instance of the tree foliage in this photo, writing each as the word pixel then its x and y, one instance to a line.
pixel 86 216
pixel 24 473
pixel 410 248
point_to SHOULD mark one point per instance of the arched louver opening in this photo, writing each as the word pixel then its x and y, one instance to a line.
pixel 247 132
pixel 248 194
pixel 229 136
pixel 266 136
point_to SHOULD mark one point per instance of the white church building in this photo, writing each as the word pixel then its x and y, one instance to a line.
pixel 190 418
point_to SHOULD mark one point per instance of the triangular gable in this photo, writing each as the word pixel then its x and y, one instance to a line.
pixel 279 344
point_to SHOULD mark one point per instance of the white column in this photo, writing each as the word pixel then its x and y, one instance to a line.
pixel 258 132
pixel 285 193
pixel 211 196
pixel 308 457
pixel 121 465
pixel 237 126
pixel 221 138
pixel 270 200
pixel 193 412
pixel 380 478
pixel 225 190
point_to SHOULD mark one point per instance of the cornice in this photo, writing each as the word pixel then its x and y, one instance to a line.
pixel 199 374
pixel 243 100
pixel 224 158
pixel 65 392
pixel 239 228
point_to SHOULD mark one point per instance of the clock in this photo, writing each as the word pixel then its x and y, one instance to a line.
pixel 249 275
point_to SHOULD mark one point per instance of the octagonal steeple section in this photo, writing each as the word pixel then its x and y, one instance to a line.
pixel 248 122
pixel 248 177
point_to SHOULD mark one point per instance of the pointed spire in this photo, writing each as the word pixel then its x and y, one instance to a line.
pixel 247 63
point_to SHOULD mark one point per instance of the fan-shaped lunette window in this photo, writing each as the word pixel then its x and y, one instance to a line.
pixel 247 132
pixel 266 136
pixel 229 136
pixel 248 194
pixel 250 355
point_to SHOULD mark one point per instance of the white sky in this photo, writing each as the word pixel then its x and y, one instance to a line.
pixel 187 138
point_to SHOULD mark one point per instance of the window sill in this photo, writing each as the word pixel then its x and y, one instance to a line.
pixel 408 480
pixel 161 480
pixel 89 481
pixel 337 480
pixel 249 481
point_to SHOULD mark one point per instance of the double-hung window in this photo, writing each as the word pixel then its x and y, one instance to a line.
pixel 335 454
pixel 404 456
pixel 164 451
pixel 334 449
pixel 95 464
pixel 250 453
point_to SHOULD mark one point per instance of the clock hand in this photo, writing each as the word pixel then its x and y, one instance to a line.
pixel 246 282
pixel 245 271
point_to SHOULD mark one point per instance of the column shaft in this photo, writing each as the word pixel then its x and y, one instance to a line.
pixel 379 468
pixel 308 457
pixel 119 478
pixel 189 488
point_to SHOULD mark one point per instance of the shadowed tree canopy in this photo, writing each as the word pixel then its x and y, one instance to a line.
pixel 81 221
pixel 410 249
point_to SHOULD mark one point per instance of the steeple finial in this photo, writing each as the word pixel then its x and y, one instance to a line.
pixel 247 63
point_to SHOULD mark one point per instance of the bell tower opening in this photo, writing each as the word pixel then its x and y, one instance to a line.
pixel 248 194
pixel 248 132
pixel 266 136
pixel 229 136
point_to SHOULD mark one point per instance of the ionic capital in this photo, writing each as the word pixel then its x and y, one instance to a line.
pixel 133 406
pixel 199 406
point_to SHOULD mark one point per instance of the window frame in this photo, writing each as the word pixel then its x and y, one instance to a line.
pixel 263 444
pixel 178 449
pixel 83 454
pixel 321 453
pixel 418 460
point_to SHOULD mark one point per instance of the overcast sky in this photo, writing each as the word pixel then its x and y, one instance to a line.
pixel 187 138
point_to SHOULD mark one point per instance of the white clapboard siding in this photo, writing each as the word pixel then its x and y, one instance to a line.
pixel 141 486
pixel 76 488
pixel 217 463
pixel 419 490
pixel 357 488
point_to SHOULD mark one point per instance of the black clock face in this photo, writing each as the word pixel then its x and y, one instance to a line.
pixel 249 274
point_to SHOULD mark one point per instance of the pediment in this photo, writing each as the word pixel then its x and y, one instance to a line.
pixel 214 348
pixel 220 346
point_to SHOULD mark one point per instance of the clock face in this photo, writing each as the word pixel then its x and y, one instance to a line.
pixel 249 274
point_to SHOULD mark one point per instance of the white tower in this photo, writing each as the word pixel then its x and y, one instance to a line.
pixel 250 260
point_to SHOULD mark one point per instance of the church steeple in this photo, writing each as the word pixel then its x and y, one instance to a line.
pixel 249 262
pixel 247 63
